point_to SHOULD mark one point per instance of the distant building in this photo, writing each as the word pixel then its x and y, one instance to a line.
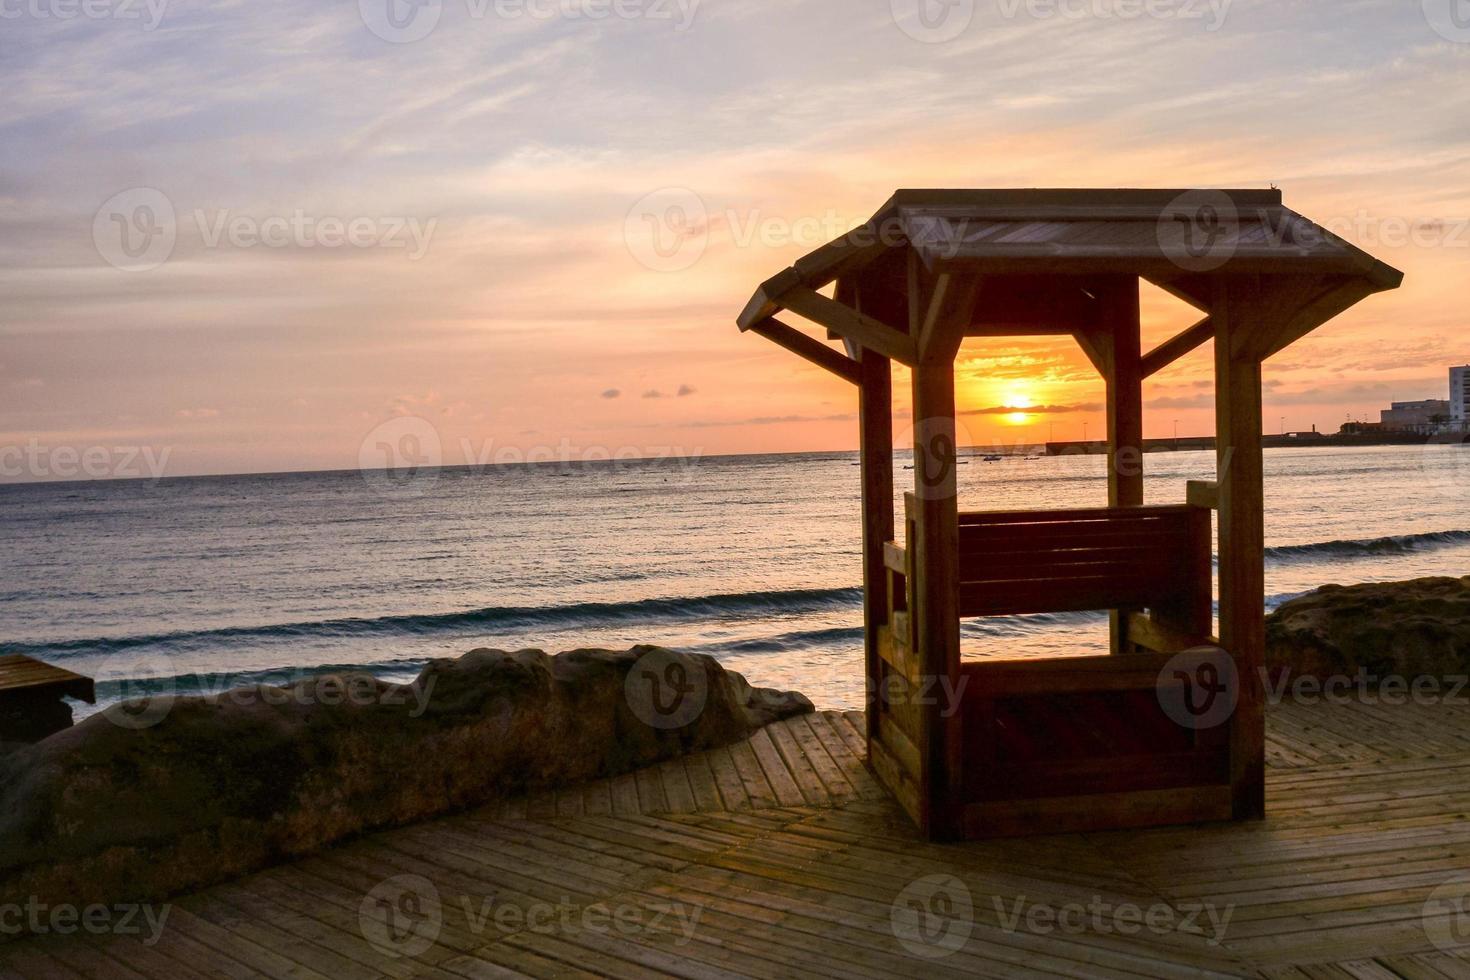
pixel 1424 416
pixel 1459 396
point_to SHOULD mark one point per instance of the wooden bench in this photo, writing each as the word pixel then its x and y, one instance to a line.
pixel 31 693
pixel 1076 742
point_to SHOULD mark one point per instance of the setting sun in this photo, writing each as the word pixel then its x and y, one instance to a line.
pixel 1018 400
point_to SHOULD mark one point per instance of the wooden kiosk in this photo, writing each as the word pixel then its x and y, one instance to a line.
pixel 1139 737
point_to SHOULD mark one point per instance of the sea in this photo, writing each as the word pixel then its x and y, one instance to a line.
pixel 198 584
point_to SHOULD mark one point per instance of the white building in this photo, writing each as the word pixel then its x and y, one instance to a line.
pixel 1423 416
pixel 1459 396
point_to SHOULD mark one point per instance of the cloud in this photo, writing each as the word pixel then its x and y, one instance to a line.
pixel 775 420
pixel 1031 409
pixel 198 413
pixel 612 393
pixel 685 391
pixel 653 393
pixel 1181 401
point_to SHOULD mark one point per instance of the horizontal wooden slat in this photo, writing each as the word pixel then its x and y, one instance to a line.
pixel 1203 493
pixel 1072 565
pixel 895 558
pixel 893 650
pixel 903 748
pixel 1009 678
pixel 1057 595
pixel 1151 634
pixel 1010 818
pixel 1117 774
pixel 993 518
pixel 896 780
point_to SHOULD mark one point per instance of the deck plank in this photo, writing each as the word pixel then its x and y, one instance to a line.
pixel 792 862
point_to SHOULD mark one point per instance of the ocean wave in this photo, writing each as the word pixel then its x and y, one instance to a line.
pixel 1394 544
pixel 497 617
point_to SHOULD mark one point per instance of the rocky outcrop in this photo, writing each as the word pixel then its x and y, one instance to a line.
pixel 151 797
pixel 1408 629
pixel 26 717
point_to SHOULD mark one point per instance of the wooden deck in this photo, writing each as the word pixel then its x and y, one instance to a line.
pixel 782 857
pixel 20 674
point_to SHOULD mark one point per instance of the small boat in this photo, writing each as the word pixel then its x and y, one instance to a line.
pixel 993 458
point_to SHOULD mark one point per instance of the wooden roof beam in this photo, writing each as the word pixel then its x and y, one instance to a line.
pixel 1328 302
pixel 812 350
pixel 1177 346
pixel 849 323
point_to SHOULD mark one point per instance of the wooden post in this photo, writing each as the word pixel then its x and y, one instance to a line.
pixel 1125 397
pixel 875 414
pixel 1114 346
pixel 935 588
pixel 1239 471
pixel 1125 423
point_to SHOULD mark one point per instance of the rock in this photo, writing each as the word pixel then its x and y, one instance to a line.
pixel 26 717
pixel 159 795
pixel 1409 629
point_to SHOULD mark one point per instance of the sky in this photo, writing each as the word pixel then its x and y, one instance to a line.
pixel 249 237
